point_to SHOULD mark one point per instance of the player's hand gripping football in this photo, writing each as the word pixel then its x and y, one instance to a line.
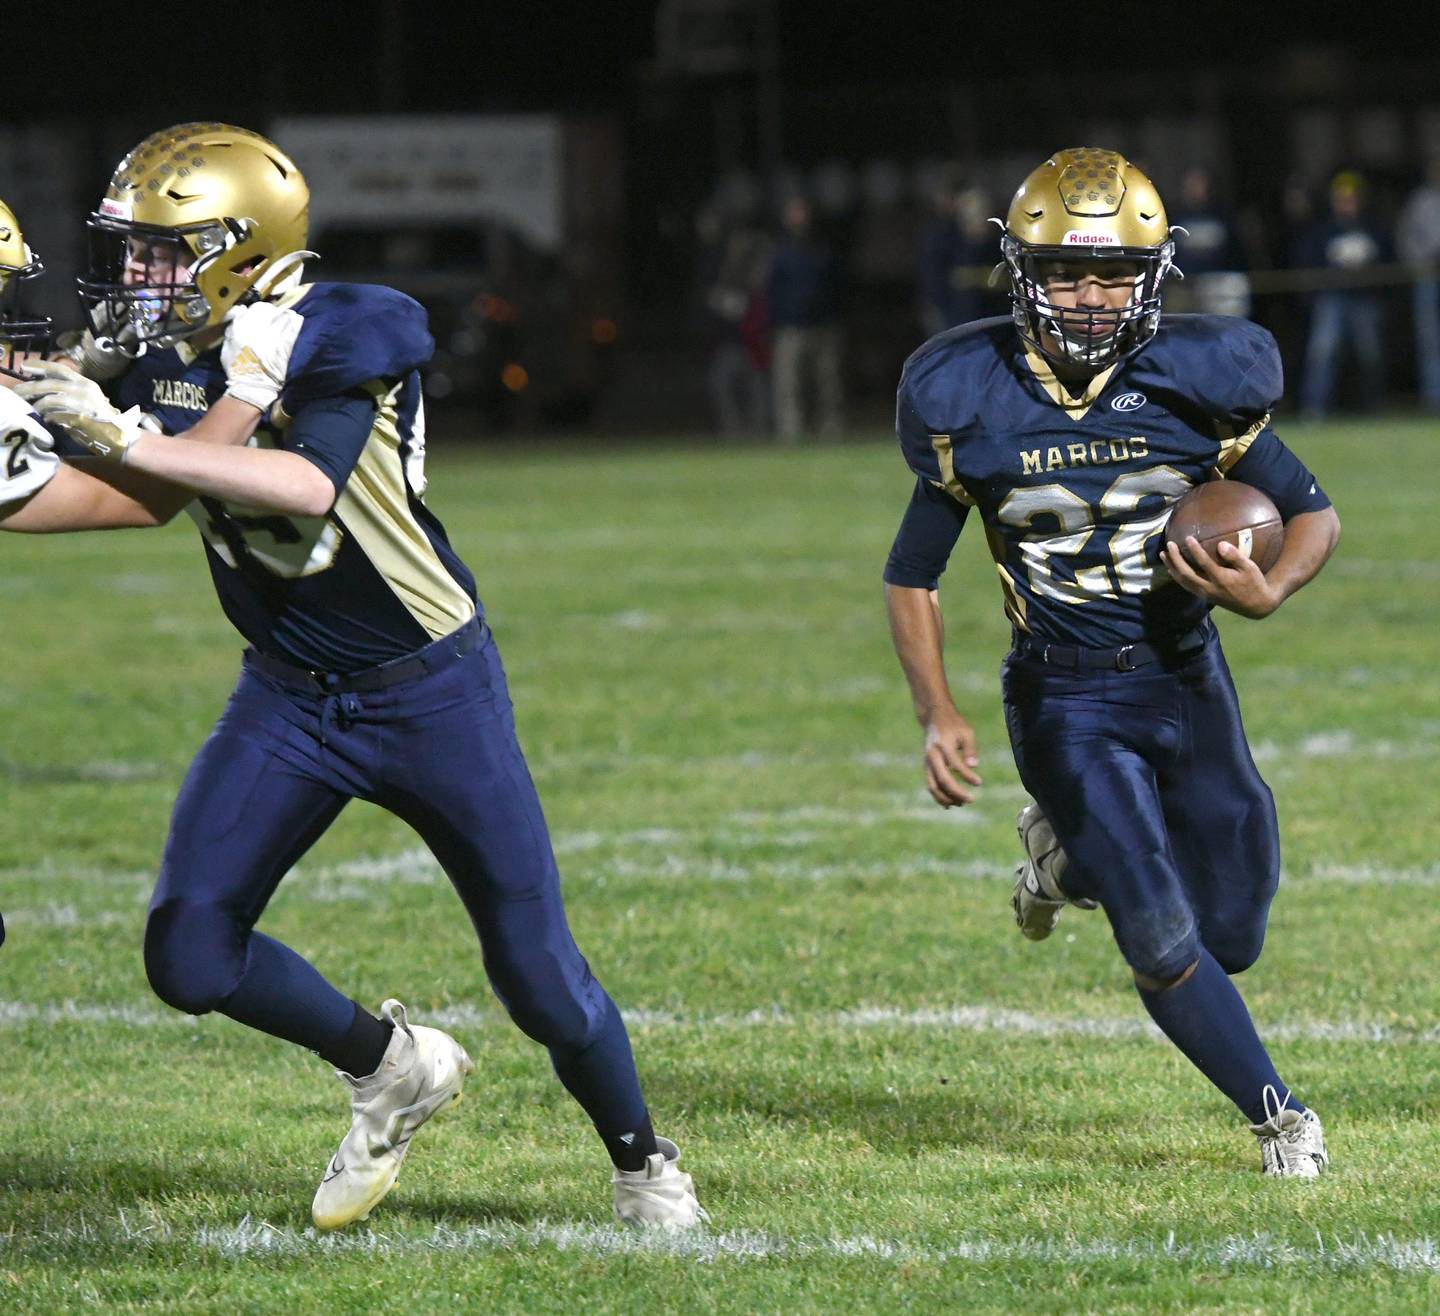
pixel 259 339
pixel 1234 581
pixel 66 400
pixel 950 759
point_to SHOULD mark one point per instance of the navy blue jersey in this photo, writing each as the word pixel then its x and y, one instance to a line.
pixel 376 578
pixel 1074 490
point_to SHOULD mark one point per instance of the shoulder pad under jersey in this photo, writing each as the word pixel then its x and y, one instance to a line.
pixel 1228 366
pixel 353 333
pixel 942 387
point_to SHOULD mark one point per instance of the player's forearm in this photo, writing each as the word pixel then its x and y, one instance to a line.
pixel 1310 538
pixel 264 478
pixel 77 500
pixel 919 637
pixel 228 423
pixel 109 497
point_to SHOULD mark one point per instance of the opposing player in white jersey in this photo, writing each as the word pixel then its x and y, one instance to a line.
pixel 39 493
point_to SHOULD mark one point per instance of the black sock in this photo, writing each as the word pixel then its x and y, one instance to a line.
pixel 359 1050
pixel 631 1149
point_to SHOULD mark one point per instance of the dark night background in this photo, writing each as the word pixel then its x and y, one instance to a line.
pixel 853 83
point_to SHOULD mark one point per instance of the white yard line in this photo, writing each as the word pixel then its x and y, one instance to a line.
pixel 665 854
pixel 978 1018
pixel 55 915
pixel 1388 568
pixel 1375 875
pixel 1342 745
pixel 1256 1251
pixel 621 759
pixel 1253 1251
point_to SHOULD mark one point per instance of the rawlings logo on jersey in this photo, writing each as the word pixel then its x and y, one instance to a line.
pixel 180 393
pixel 1129 402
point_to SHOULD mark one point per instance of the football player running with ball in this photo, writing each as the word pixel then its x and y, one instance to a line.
pixel 1071 428
pixel 370 672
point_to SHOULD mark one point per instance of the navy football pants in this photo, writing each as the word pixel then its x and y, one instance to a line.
pixel 440 752
pixel 1149 784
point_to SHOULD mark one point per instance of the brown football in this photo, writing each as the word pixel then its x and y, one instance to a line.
pixel 1227 509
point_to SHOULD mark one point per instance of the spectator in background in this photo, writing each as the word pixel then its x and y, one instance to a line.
pixel 1287 310
pixel 737 374
pixel 803 291
pixel 1208 252
pixel 1417 237
pixel 956 253
pixel 1348 310
pixel 882 252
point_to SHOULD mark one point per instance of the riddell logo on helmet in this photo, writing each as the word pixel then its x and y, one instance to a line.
pixel 113 209
pixel 1077 237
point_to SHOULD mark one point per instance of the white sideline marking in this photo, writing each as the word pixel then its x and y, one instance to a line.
pixel 19 1012
pixel 416 866
pixel 54 915
pixel 1389 568
pixel 1258 1251
pixel 683 868
pixel 47 870
pixel 1342 744
pixel 108 771
pixel 144 582
pixel 916 811
pixel 1374 875
pixel 553 761
pixel 943 1019
pixel 751 827
pixel 119 770
pixel 1355 677
pixel 420 868
pixel 636 620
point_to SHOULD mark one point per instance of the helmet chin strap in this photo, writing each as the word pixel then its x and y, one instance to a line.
pixel 1086 349
pixel 284 274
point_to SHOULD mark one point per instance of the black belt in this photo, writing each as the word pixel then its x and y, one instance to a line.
pixel 397 671
pixel 1124 659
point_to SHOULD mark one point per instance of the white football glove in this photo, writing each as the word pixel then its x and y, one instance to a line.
pixel 256 352
pixel 67 400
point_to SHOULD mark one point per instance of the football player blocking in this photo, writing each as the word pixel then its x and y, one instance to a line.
pixel 1071 427
pixel 370 672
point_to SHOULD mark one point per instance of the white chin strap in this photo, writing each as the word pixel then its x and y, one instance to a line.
pixel 1084 348
pixel 284 274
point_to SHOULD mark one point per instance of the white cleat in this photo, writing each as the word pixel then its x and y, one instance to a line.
pixel 660 1196
pixel 1038 898
pixel 1292 1143
pixel 420 1075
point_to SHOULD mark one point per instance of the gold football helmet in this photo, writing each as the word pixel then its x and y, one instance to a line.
pixel 1086 205
pixel 197 218
pixel 19 334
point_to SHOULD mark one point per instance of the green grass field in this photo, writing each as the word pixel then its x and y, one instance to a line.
pixel 888 1099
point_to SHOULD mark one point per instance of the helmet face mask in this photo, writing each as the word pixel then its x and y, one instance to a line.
pixel 1090 337
pixel 20 334
pixel 1086 219
pixel 145 279
pixel 197 219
